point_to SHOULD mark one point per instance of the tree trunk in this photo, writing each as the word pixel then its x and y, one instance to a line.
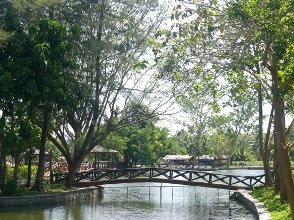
pixel 267 150
pixel 2 160
pixel 263 146
pixel 276 164
pixel 73 168
pixel 29 177
pixel 16 165
pixel 267 171
pixel 3 170
pixel 41 166
pixel 287 188
pixel 283 152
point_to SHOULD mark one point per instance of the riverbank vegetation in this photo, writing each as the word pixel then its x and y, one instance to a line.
pixel 75 75
pixel 272 202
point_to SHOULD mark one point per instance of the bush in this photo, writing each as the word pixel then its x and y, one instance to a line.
pixel 12 188
pixel 271 201
pixel 22 171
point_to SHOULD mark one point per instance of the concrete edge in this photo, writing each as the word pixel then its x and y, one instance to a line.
pixel 252 204
pixel 52 198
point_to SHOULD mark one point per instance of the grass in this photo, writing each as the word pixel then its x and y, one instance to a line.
pixel 49 188
pixel 271 201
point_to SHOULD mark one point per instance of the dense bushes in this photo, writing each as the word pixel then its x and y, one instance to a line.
pixel 271 201
pixel 11 186
pixel 22 171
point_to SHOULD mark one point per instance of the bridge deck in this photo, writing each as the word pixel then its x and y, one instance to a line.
pixel 163 175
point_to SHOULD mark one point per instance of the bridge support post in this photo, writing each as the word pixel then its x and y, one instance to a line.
pixel 209 178
pixel 230 180
pixel 130 174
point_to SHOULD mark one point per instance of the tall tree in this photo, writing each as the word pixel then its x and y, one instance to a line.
pixel 113 42
pixel 238 35
pixel 51 76
pixel 272 21
pixel 200 52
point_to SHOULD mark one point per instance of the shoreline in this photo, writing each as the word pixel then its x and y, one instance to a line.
pixel 52 198
pixel 255 206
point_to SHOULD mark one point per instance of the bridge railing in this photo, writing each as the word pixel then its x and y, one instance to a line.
pixel 188 177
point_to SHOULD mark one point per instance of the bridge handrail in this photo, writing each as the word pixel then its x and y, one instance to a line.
pixel 188 175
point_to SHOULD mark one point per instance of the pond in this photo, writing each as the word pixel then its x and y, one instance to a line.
pixel 150 201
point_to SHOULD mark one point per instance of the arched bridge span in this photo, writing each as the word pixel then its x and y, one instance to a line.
pixel 162 175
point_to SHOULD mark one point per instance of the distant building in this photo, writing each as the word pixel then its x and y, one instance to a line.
pixel 206 160
pixel 177 160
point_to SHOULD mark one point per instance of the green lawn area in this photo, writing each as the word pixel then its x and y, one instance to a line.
pixel 271 201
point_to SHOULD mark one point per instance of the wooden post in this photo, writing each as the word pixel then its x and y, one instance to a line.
pixel 112 160
pixel 95 160
pixel 210 178
pixel 190 176
pixel 98 154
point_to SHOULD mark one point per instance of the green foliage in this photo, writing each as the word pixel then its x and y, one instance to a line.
pixel 22 171
pixel 271 201
pixel 199 55
pixel 116 141
pixel 147 145
pixel 12 188
pixel 4 36
pixel 141 65
pixel 139 139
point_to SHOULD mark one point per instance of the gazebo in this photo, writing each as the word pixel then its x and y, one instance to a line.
pixel 104 158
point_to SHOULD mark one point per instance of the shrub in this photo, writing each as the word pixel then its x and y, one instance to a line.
pixel 271 201
pixel 12 188
pixel 23 171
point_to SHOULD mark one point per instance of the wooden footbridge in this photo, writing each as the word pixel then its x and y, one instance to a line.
pixel 162 175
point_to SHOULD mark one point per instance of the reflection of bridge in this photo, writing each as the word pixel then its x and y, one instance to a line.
pixel 162 175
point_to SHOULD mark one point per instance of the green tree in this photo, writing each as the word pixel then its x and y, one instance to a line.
pixel 140 140
pixel 272 22
pixel 245 35
pixel 198 54
pixel 50 68
pixel 113 42
pixel 36 58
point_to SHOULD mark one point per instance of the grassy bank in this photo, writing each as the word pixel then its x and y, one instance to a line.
pixel 271 201
pixel 14 189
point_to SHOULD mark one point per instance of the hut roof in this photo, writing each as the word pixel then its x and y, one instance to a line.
pixel 100 149
pixel 177 157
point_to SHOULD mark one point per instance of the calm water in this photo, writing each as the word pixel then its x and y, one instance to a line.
pixel 150 201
